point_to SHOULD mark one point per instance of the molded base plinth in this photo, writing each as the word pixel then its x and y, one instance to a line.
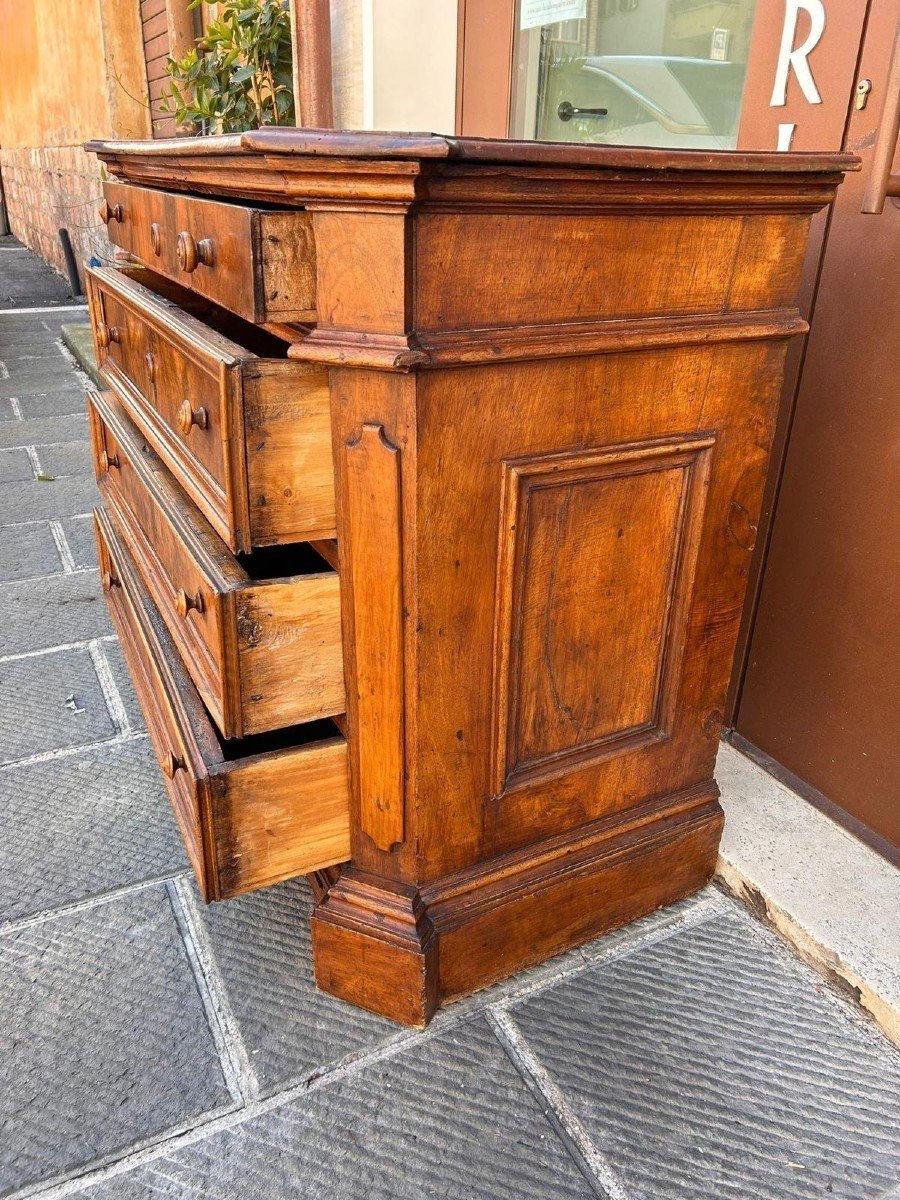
pixel 401 953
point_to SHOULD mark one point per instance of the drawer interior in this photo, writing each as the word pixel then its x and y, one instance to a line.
pixel 255 339
pixel 252 811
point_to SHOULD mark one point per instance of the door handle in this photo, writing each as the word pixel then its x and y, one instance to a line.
pixel 567 111
pixel 881 182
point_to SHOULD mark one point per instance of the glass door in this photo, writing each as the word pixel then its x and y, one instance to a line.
pixel 631 72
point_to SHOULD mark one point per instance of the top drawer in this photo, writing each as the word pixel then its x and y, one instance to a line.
pixel 259 264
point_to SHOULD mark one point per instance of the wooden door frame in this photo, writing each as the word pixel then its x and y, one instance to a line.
pixel 311 44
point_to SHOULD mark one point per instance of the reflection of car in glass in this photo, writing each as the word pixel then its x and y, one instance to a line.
pixel 644 100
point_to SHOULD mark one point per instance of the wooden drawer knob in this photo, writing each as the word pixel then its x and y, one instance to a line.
pixel 184 603
pixel 110 212
pixel 192 254
pixel 188 417
pixel 155 239
pixel 172 764
pixel 108 333
pixel 150 360
pixel 110 581
pixel 109 461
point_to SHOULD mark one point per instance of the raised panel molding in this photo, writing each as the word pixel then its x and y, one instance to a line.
pixel 372 473
pixel 596 563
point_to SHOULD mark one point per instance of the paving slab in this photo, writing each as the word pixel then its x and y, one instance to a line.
pixel 63 459
pixel 39 430
pixel 39 500
pixel 79 535
pixel 27 279
pixel 112 652
pixel 51 370
pixel 448 1118
pixel 28 550
pixel 714 1064
pixel 15 465
pixel 48 702
pixel 82 825
pixel 261 946
pixel 50 612
pixel 104 1042
pixel 51 401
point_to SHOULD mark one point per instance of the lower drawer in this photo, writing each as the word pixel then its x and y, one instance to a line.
pixel 260 636
pixel 252 812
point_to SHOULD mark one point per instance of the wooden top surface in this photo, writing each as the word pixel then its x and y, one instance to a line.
pixel 327 143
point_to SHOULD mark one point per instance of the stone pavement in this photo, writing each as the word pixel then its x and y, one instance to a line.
pixel 150 1046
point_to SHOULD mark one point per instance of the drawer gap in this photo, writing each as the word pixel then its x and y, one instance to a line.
pixel 243 333
pixel 283 561
pixel 278 739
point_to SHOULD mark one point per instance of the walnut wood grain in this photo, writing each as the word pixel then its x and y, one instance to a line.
pixel 263 653
pixel 248 437
pixel 259 264
pixel 553 374
pixel 249 821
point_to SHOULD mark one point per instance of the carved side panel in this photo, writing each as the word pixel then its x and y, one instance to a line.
pixel 372 480
pixel 596 565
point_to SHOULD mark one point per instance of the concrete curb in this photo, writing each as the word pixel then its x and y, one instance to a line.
pixel 78 340
pixel 832 898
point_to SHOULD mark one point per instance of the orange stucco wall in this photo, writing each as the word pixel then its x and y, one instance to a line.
pixel 68 72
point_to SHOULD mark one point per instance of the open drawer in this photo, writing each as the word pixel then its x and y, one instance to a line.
pixel 245 431
pixel 252 813
pixel 259 263
pixel 261 637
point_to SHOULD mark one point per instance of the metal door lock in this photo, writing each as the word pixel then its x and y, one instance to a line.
pixel 862 93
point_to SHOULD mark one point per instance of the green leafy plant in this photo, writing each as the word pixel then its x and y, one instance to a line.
pixel 239 74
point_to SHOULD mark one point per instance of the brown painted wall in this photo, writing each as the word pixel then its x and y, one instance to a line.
pixel 67 73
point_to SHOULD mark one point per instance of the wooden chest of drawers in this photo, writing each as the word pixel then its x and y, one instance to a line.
pixel 431 469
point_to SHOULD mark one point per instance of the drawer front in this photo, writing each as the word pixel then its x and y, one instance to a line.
pixel 248 438
pixel 263 653
pixel 257 263
pixel 247 821
pixel 181 586
pixel 179 767
pixel 182 385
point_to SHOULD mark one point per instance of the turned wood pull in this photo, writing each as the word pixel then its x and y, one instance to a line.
pixel 110 581
pixel 108 461
pixel 155 239
pixel 191 254
pixel 172 764
pixel 110 212
pixel 184 603
pixel 188 417
pixel 108 333
pixel 150 360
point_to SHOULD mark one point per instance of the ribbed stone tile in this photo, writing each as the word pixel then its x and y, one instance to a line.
pixel 261 944
pixel 26 375
pixel 713 1064
pixel 39 430
pixel 449 1118
pixel 15 465
pixel 112 652
pixel 51 398
pixel 50 612
pixel 79 533
pixel 103 1039
pixel 39 500
pixel 27 550
pixel 66 458
pixel 48 702
pixel 82 825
